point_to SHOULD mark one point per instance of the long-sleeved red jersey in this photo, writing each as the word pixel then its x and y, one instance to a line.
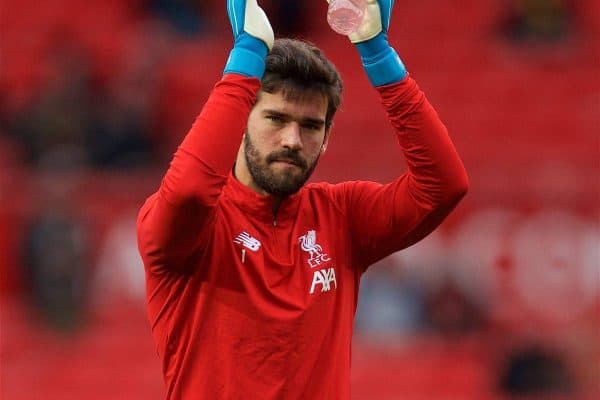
pixel 247 305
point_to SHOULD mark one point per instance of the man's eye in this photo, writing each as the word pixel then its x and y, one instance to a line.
pixel 312 127
pixel 275 118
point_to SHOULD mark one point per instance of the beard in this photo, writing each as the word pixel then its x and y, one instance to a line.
pixel 279 184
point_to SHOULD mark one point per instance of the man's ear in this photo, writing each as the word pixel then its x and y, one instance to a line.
pixel 326 140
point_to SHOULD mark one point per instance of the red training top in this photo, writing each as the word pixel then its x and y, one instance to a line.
pixel 247 305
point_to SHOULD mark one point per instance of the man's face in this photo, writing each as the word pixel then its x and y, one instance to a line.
pixel 284 141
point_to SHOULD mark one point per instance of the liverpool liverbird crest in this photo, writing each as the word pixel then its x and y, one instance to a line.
pixel 309 244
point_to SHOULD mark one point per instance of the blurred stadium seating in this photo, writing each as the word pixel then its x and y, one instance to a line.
pixel 521 253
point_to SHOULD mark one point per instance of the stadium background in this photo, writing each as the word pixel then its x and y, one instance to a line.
pixel 502 302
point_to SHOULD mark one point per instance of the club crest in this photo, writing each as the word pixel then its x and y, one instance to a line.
pixel 308 243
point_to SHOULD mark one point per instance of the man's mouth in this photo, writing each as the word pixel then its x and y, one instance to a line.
pixel 287 161
pixel 287 158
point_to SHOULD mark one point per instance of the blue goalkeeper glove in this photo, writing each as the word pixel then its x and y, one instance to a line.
pixel 253 38
pixel 379 59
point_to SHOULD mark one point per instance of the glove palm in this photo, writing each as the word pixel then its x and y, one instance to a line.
pixel 380 61
pixel 246 16
pixel 376 20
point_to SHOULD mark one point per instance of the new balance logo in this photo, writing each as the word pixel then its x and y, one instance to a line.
pixel 323 277
pixel 309 244
pixel 247 241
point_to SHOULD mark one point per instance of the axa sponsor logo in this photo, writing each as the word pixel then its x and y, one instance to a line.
pixel 323 279
pixel 309 244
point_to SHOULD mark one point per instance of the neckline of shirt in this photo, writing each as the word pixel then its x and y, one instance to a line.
pixel 261 206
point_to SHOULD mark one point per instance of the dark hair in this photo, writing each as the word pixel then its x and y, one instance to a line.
pixel 298 68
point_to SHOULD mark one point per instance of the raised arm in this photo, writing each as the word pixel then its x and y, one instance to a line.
pixel 173 222
pixel 387 218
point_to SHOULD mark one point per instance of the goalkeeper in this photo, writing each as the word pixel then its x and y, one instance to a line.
pixel 253 275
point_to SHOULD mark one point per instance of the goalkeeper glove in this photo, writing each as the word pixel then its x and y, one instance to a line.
pixel 253 38
pixel 380 61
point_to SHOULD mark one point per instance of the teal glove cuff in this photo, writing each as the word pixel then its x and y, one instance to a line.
pixel 380 61
pixel 247 57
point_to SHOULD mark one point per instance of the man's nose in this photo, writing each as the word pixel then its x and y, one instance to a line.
pixel 291 137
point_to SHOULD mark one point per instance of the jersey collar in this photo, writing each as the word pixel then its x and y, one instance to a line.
pixel 261 206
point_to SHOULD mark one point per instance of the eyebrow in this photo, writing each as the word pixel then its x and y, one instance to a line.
pixel 316 121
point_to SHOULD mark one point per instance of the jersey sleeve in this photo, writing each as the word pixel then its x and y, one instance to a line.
pixel 386 218
pixel 172 223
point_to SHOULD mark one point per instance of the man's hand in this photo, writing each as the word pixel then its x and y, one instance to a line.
pixel 379 59
pixel 253 38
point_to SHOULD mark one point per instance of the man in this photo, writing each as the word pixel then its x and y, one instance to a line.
pixel 253 277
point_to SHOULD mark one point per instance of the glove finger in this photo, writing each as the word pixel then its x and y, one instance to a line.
pixel 257 24
pixel 385 8
pixel 236 9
